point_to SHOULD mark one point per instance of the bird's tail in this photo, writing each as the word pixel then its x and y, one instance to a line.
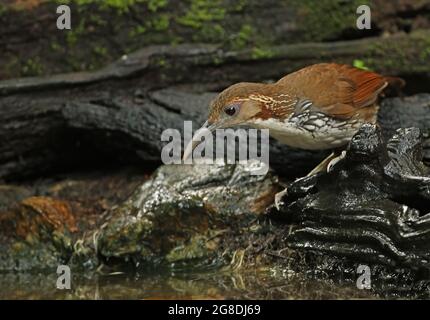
pixel 396 82
pixel 395 85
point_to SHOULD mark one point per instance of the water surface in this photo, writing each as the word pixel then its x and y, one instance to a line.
pixel 243 285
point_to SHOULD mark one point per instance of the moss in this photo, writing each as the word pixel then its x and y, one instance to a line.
pixel 196 248
pixel 32 67
pixel 138 31
pixel 3 9
pixel 161 62
pixel 202 12
pixel 217 60
pixel 243 37
pixel 425 51
pixel 326 19
pixel 160 23
pixel 261 53
pixel 248 37
pixel 117 4
pixel 55 46
pixel 176 40
pixel 403 54
pixel 97 20
pixel 74 34
pixel 223 22
pixel 139 23
pixel 239 5
pixel 100 51
pixel 425 54
pixel 154 5
pixel 210 33
pixel 121 6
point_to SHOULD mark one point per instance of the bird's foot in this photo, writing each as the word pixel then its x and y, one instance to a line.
pixel 278 198
pixel 334 161
pixel 322 166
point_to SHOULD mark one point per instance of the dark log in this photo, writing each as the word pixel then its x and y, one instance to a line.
pixel 212 67
pixel 116 115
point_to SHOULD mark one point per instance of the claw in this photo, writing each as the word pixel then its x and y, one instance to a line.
pixel 334 161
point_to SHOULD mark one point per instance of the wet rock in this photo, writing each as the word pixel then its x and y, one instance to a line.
pixel 11 194
pixel 373 206
pixel 36 234
pixel 180 214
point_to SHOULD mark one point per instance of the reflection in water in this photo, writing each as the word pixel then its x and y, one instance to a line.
pixel 246 285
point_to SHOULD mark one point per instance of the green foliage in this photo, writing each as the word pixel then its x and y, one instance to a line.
pixel 100 51
pixel 201 12
pixel 360 64
pixel 3 9
pixel 138 31
pixel 55 46
pixel 249 37
pixel 210 33
pixel 161 22
pixel 261 53
pixel 73 35
pixel 154 5
pixel 243 37
pixel 239 5
pixel 325 19
pixel 121 5
pixel 32 67
pixel 407 55
pixel 97 20
pixel 425 54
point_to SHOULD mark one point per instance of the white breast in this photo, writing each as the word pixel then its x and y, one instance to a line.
pixel 317 136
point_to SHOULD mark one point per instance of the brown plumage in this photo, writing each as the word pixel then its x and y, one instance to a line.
pixel 317 107
pixel 337 90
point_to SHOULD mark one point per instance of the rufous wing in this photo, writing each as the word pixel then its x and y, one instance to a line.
pixel 334 89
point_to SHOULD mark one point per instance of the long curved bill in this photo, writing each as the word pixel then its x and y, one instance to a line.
pixel 196 140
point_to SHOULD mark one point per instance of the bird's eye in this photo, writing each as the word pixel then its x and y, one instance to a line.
pixel 231 110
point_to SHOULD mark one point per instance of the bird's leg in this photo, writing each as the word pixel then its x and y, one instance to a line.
pixel 335 160
pixel 323 165
pixel 278 198
pixel 326 165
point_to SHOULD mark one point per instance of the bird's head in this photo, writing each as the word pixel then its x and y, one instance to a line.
pixel 237 105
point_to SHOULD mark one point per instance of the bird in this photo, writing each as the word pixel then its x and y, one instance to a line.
pixel 319 107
